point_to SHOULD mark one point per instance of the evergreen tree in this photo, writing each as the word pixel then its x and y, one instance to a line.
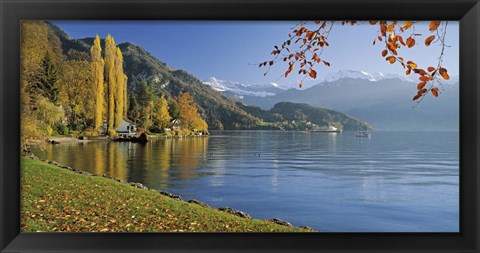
pixel 47 84
pixel 133 109
pixel 173 109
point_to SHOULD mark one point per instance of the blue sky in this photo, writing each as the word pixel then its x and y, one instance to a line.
pixel 229 50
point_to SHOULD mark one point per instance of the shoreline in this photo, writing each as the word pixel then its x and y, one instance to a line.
pixel 172 196
pixel 86 139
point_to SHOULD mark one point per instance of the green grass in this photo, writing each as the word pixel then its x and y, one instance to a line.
pixel 56 199
pixel 265 123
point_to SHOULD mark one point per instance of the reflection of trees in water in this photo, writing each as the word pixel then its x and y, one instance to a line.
pixel 98 159
pixel 190 153
pixel 157 164
pixel 118 168
pixel 171 160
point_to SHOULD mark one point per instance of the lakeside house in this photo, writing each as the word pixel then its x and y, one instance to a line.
pixel 126 128
pixel 174 125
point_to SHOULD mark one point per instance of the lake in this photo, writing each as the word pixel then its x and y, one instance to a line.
pixel 391 182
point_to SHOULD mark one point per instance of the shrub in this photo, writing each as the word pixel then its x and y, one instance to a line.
pixel 74 133
pixel 63 130
pixel 77 127
pixel 89 131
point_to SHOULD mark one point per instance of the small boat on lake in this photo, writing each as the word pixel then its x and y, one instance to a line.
pixel 363 134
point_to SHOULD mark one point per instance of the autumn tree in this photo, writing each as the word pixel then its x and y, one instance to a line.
pixel 110 80
pixel 189 113
pixel 48 114
pixel 98 65
pixel 161 117
pixel 36 43
pixel 303 50
pixel 125 95
pixel 119 88
pixel 76 91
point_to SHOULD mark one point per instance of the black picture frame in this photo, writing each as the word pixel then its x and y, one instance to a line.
pixel 13 11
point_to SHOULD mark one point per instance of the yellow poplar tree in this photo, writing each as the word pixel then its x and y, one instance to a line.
pixel 97 70
pixel 125 98
pixel 120 88
pixel 110 80
pixel 161 115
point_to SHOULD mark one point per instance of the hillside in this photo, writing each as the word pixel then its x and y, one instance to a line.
pixel 297 116
pixel 219 111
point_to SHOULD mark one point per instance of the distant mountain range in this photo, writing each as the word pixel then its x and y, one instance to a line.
pixel 237 89
pixel 384 100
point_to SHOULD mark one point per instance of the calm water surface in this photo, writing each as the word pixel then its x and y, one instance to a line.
pixel 392 182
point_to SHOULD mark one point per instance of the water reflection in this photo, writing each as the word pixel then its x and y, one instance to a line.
pixel 151 163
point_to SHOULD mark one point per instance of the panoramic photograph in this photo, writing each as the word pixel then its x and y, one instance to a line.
pixel 239 126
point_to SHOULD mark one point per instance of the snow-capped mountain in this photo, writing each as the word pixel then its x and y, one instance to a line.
pixel 374 77
pixel 239 89
pixel 360 74
pixel 243 91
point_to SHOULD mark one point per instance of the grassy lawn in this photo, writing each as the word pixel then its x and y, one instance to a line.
pixel 56 199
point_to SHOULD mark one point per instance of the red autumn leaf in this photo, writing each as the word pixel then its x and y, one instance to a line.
pixel 311 35
pixel 435 92
pixel 400 39
pixel 383 29
pixel 391 59
pixel 407 24
pixel 287 72
pixel 430 69
pixel 313 74
pixel 421 85
pixel 412 64
pixel 391 27
pixel 410 42
pixel 443 73
pixel 416 97
pixel 384 52
pixel 429 40
pixel 434 25
pixel 424 78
